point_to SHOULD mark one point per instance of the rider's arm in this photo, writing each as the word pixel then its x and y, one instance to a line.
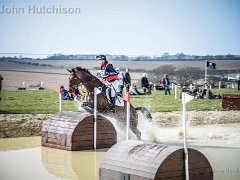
pixel 110 70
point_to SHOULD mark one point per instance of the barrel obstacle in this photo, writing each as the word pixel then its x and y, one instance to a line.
pixel 231 101
pixel 74 131
pixel 134 160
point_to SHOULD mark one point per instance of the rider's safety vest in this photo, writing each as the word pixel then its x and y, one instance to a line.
pixel 111 77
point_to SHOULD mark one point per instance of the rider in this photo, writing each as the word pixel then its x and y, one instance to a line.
pixel 110 75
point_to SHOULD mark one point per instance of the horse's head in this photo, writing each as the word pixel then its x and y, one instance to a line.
pixel 82 76
pixel 73 80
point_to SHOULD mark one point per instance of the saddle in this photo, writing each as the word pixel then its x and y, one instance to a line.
pixel 117 100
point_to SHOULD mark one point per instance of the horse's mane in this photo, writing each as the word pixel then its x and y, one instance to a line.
pixel 78 68
pixel 82 69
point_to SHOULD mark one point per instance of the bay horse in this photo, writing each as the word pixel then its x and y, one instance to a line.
pixel 83 76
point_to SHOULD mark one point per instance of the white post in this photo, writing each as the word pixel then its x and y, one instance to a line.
pixel 95 118
pixel 219 84
pixel 60 101
pixel 175 91
pixel 128 116
pixel 191 86
pixel 205 71
pixel 41 85
pixel 172 85
pixel 207 93
pixel 185 137
pixel 210 87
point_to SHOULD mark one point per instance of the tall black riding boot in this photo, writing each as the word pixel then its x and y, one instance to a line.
pixel 112 107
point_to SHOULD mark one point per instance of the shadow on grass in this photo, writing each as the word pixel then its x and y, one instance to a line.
pixel 8 112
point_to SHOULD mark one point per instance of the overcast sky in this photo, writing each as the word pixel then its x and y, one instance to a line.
pixel 130 27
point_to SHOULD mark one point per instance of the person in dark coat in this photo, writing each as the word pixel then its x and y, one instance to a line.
pixel 64 93
pixel 145 84
pixel 1 79
pixel 238 80
pixel 166 84
pixel 127 79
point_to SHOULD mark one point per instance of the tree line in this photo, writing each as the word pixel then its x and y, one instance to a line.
pixel 187 75
pixel 164 57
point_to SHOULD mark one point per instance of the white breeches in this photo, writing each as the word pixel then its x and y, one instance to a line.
pixel 114 88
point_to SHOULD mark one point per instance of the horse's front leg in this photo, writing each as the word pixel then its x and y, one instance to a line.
pixel 133 126
pixel 136 131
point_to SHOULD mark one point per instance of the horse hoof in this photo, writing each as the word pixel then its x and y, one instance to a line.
pixel 113 110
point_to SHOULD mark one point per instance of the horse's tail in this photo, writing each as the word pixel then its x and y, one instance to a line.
pixel 145 112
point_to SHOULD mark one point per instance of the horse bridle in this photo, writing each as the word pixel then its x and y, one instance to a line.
pixel 85 83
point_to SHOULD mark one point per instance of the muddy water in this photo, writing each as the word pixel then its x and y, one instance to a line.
pixel 36 162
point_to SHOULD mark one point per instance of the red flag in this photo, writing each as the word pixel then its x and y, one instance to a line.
pixel 127 97
pixel 58 89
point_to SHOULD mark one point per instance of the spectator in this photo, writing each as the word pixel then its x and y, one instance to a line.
pixel 74 93
pixel 134 91
pixel 1 79
pixel 64 93
pixel 238 80
pixel 161 82
pixel 121 81
pixel 127 79
pixel 195 92
pixel 71 94
pixel 166 84
pixel 145 84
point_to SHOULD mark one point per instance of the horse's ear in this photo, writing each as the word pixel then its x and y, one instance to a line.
pixel 69 71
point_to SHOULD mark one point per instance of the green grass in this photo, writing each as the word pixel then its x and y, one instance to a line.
pixel 158 102
pixel 46 101
pixel 32 102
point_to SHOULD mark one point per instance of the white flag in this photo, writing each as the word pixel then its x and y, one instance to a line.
pixel 186 98
pixel 96 91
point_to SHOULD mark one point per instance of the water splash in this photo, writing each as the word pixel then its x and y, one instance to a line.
pixel 212 128
pixel 216 130
pixel 121 129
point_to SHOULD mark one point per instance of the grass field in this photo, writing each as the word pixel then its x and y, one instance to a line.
pixel 46 101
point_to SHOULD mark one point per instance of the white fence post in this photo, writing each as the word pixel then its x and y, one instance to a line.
pixel 175 91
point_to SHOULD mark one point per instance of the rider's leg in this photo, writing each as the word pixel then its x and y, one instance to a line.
pixel 114 91
pixel 114 88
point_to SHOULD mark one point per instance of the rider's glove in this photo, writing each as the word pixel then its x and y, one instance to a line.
pixel 102 73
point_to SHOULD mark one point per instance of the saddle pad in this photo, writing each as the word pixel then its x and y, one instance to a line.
pixel 119 101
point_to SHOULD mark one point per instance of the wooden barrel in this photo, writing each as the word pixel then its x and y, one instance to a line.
pixel 231 101
pixel 134 160
pixel 74 131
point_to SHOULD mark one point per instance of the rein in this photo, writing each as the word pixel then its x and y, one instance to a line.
pixel 89 81
pixel 85 83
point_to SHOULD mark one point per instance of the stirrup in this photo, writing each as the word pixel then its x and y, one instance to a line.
pixel 112 109
pixel 84 104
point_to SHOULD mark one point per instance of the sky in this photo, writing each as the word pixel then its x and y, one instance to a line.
pixel 129 27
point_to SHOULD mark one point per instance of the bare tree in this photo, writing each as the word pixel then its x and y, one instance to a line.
pixel 187 75
pixel 158 73
pixel 165 56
